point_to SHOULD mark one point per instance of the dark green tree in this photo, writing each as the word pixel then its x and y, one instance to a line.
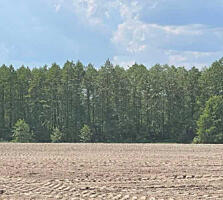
pixel 210 123
pixel 159 104
pixel 39 104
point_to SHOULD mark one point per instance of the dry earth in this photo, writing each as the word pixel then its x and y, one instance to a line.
pixel 111 171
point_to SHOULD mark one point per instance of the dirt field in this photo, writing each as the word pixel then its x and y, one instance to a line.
pixel 111 171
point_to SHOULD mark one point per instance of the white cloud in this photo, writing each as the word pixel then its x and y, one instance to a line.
pixel 136 40
pixel 57 7
pixel 92 11
pixel 57 4
pixel 193 29
pixel 179 45
pixel 131 35
pixel 142 34
pixel 191 58
pixel 130 10
pixel 96 12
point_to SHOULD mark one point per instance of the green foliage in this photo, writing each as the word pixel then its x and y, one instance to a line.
pixel 197 140
pixel 85 134
pixel 210 123
pixel 140 104
pixel 56 136
pixel 22 132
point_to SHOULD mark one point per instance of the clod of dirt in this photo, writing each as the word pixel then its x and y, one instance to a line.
pixel 2 191
pixel 85 188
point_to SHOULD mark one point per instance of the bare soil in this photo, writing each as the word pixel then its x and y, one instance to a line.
pixel 111 171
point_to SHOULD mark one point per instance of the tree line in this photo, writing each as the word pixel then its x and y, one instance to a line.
pixel 77 103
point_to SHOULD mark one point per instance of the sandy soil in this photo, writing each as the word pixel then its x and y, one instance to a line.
pixel 111 171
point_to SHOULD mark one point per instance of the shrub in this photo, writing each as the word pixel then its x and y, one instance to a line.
pixel 22 132
pixel 85 134
pixel 56 136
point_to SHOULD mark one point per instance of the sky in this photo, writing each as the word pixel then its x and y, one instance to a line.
pixel 181 33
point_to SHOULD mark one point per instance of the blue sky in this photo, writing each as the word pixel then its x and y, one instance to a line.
pixel 184 33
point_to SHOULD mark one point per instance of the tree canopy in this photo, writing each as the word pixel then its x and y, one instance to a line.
pixel 76 103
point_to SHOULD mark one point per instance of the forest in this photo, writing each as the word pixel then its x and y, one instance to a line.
pixel 77 103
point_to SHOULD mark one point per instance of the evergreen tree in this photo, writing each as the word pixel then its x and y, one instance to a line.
pixel 159 104
pixel 210 123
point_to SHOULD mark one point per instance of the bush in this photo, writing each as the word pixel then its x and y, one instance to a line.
pixel 85 134
pixel 56 136
pixel 22 132
pixel 197 140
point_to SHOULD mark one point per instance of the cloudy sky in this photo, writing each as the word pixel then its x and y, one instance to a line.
pixel 179 32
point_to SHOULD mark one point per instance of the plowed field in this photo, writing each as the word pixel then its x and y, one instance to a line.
pixel 111 171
